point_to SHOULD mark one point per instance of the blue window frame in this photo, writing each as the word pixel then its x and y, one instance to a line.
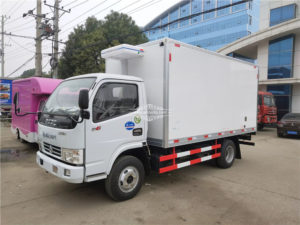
pixel 196 8
pixel 281 52
pixel 282 14
pixel 282 94
pixel 238 7
pixel 164 21
pixel 209 4
pixel 157 30
pixel 173 16
pixel 225 11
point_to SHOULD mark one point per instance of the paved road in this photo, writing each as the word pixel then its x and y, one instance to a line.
pixel 262 188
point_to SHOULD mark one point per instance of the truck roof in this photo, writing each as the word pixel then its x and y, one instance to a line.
pixel 166 39
pixel 101 76
pixel 39 85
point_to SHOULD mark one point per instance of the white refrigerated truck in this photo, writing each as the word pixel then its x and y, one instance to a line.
pixel 181 105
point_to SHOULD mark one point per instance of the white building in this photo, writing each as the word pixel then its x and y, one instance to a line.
pixel 276 49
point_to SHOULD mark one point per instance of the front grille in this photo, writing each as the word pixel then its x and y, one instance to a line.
pixel 55 150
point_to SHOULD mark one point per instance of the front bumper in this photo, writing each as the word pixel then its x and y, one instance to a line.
pixel 285 131
pixel 271 120
pixel 58 168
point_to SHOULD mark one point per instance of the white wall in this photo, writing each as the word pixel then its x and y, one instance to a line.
pixel 265 7
pixel 296 71
pixel 262 59
pixel 296 98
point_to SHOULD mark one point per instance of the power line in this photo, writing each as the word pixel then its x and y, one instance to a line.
pixel 24 64
pixel 87 11
pixel 129 5
pixel 21 45
pixel 22 3
pixel 21 25
pixel 24 28
pixel 18 18
pixel 140 6
pixel 70 3
pixel 12 7
pixel 132 12
pixel 93 14
pixel 81 3
pixel 16 35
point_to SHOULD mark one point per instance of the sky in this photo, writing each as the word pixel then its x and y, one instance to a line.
pixel 20 50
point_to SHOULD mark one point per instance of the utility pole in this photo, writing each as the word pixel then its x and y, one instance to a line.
pixel 54 59
pixel 2 46
pixel 38 40
pixel 56 30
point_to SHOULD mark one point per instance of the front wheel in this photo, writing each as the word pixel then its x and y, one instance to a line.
pixel 125 179
pixel 228 152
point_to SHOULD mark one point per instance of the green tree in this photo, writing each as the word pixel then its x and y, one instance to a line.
pixel 82 53
pixel 30 73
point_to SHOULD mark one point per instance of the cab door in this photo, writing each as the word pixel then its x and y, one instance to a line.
pixel 116 122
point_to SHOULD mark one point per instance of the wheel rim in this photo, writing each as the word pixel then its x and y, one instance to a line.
pixel 229 154
pixel 128 179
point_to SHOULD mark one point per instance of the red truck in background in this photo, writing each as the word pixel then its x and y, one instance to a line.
pixel 266 111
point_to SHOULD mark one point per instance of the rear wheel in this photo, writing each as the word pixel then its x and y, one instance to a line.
pixel 279 134
pixel 125 179
pixel 19 137
pixel 228 152
pixel 18 134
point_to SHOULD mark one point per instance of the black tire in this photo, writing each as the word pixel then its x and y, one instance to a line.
pixel 228 153
pixel 18 134
pixel 260 127
pixel 113 184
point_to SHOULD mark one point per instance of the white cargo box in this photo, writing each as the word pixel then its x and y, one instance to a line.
pixel 205 95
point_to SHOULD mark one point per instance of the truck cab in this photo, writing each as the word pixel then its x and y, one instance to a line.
pixel 78 150
pixel 267 110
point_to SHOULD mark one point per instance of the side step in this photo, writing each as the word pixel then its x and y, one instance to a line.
pixel 175 155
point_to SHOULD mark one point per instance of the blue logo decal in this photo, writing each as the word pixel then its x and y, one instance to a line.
pixel 129 125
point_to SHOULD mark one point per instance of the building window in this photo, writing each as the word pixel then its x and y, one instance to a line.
pixel 281 53
pixel 209 5
pixel 282 94
pixel 225 11
pixel 196 6
pixel 282 14
pixel 164 21
pixel 184 12
pixel 238 7
pixel 173 16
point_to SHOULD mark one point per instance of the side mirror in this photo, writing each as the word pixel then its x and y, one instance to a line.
pixel 16 96
pixel 83 100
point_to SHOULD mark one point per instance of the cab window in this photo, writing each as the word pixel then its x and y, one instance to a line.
pixel 113 100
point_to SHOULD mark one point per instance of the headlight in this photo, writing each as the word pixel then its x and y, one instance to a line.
pixel 72 156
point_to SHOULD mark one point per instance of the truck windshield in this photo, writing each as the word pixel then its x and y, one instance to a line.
pixel 269 100
pixel 64 100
